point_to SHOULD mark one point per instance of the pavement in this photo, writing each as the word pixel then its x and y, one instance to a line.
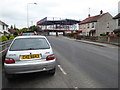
pixel 94 43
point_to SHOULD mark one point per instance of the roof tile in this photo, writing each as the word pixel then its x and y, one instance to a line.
pixel 92 19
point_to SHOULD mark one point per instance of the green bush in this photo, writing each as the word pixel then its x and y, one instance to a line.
pixel 103 34
pixel 8 36
pixel 12 37
pixel 117 34
pixel 3 38
pixel 70 34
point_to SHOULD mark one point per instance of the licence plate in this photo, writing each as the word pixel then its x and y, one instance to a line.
pixel 34 56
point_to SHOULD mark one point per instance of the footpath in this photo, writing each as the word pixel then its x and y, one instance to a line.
pixel 94 43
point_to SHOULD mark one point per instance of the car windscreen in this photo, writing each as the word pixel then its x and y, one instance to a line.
pixel 29 44
pixel 27 34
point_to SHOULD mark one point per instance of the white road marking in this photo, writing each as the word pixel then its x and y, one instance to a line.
pixel 76 88
pixel 113 47
pixel 62 70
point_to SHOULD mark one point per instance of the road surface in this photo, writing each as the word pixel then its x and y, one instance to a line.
pixel 79 65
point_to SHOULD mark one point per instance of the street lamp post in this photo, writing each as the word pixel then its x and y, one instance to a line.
pixel 28 14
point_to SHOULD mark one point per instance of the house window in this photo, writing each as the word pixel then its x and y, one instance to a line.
pixel 84 26
pixel 80 26
pixel 92 25
pixel 119 22
pixel 107 25
pixel 88 25
pixel 3 27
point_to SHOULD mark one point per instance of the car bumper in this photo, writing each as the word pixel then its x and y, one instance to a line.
pixel 29 68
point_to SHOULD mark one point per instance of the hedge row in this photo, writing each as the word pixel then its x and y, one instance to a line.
pixel 70 34
pixel 5 38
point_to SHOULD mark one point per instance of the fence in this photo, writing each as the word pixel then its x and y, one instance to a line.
pixel 93 38
pixel 4 45
pixel 103 39
pixel 110 40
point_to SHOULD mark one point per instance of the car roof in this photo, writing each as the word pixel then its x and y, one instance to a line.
pixel 30 37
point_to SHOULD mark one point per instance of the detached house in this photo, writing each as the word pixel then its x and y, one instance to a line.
pixel 3 28
pixel 117 20
pixel 117 24
pixel 12 32
pixel 96 25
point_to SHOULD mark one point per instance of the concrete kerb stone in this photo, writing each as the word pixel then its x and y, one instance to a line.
pixel 94 43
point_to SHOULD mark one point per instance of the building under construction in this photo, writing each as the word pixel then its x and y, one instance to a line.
pixel 58 25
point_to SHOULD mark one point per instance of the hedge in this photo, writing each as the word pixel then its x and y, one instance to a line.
pixel 3 38
pixel 11 37
pixel 70 34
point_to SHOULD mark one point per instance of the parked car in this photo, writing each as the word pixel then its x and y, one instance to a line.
pixel 28 33
pixel 28 54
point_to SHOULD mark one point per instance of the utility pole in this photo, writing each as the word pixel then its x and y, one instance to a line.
pixel 28 14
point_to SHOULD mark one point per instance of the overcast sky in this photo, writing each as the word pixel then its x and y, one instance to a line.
pixel 15 11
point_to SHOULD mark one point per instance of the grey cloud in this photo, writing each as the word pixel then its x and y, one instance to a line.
pixel 15 11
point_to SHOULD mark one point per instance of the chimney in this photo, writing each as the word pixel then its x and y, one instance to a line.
pixel 101 12
pixel 88 15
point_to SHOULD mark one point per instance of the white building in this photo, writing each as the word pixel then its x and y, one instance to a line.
pixel 117 20
pixel 3 28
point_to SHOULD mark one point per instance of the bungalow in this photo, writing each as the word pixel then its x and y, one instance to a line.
pixel 96 25
pixel 12 32
pixel 3 28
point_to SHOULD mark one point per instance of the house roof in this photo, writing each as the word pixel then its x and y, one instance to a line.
pixel 92 19
pixel 11 31
pixel 86 20
pixel 117 16
pixel 3 23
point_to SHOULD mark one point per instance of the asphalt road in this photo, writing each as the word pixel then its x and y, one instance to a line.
pixel 80 65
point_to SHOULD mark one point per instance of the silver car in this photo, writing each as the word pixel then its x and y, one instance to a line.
pixel 28 54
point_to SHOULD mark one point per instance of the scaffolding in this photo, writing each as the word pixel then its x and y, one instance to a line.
pixel 57 24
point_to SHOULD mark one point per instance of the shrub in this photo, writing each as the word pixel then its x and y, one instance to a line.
pixel 8 36
pixel 117 34
pixel 12 37
pixel 3 38
pixel 103 34
pixel 70 34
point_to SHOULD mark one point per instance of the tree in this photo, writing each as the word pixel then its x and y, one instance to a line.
pixel 15 34
pixel 34 28
pixel 21 30
pixel 15 27
pixel 11 27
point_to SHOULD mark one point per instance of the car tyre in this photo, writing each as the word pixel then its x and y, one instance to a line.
pixel 52 72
